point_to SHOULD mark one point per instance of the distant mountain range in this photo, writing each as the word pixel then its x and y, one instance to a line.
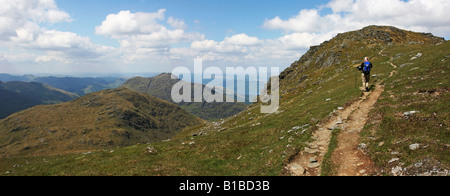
pixel 17 96
pixel 161 87
pixel 78 85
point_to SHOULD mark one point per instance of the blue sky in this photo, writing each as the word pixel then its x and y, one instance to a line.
pixel 118 36
pixel 217 19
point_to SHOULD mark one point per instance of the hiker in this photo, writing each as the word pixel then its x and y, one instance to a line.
pixel 365 68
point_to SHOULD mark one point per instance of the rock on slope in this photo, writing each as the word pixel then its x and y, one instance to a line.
pixel 108 118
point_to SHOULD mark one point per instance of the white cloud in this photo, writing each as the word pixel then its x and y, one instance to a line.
pixel 242 40
pixel 231 49
pixel 234 44
pixel 244 50
pixel 305 21
pixel 299 41
pixel 144 38
pixel 38 11
pixel 176 23
pixel 66 45
pixel 56 40
pixel 418 15
pixel 29 43
pixel 18 14
pixel 126 23
pixel 144 30
pixel 17 57
pixel 46 59
pixel 161 39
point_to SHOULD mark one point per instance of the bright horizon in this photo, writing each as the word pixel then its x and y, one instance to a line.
pixel 154 36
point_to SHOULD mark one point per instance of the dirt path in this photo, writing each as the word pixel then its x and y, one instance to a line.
pixel 351 121
pixel 352 161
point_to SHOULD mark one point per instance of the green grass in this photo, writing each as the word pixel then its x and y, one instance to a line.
pixel 421 86
pixel 328 166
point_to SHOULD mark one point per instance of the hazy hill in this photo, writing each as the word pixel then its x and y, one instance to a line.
pixel 108 118
pixel 397 140
pixel 16 96
pixel 161 87
pixel 81 86
pixel 10 78
pixel 78 85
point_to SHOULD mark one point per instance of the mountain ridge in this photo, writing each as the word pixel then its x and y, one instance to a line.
pixel 105 119
pixel 161 87
pixel 77 85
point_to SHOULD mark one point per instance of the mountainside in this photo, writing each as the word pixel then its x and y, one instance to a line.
pixel 16 96
pixel 161 87
pixel 108 118
pixel 406 132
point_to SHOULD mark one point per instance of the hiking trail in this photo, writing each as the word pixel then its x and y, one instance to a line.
pixel 348 158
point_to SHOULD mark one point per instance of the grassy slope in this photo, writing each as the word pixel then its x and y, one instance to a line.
pixel 249 143
pixel 421 86
pixel 100 120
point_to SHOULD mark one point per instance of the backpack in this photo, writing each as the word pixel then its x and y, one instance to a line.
pixel 367 68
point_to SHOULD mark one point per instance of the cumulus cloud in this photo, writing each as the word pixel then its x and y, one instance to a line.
pixel 235 43
pixel 176 23
pixel 299 41
pixel 245 50
pixel 242 40
pixel 18 14
pixel 46 59
pixel 305 21
pixel 125 23
pixel 145 29
pixel 38 11
pixel 143 36
pixel 418 15
pixel 21 32
pixel 160 39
